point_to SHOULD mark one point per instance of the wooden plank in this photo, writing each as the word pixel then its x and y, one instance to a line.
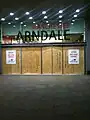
pixel 73 69
pixel 57 60
pixel 11 69
pixel 46 60
pixel 31 60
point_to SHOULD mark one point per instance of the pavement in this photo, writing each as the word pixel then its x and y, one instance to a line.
pixel 45 97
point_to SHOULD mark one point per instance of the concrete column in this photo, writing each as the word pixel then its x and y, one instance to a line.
pixel 0 48
pixel 87 38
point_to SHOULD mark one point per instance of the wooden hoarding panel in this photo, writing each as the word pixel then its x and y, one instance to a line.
pixel 11 68
pixel 31 60
pixel 46 60
pixel 73 68
pixel 57 60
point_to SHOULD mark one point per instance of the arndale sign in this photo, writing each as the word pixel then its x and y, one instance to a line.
pixel 44 35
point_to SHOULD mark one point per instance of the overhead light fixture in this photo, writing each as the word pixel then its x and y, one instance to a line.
pixel 48 24
pixel 46 21
pixel 43 12
pixel 27 13
pixel 36 25
pixel 60 24
pixel 60 16
pixel 21 23
pixel 78 10
pixel 16 18
pixel 9 23
pixel 11 14
pixel 34 22
pixel 30 18
pixel 60 11
pixel 14 26
pixel 73 20
pixel 45 17
pixel 2 19
pixel 72 23
pixel 75 15
pixel 24 25
pixel 60 20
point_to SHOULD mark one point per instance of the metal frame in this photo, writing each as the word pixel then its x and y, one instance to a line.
pixel 44 44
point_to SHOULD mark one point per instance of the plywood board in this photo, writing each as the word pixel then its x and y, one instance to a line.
pixel 11 68
pixel 57 60
pixel 31 60
pixel 47 60
pixel 70 68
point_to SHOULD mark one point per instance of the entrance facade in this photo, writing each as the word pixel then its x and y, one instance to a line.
pixel 44 59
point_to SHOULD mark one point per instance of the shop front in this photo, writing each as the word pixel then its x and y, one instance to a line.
pixel 36 51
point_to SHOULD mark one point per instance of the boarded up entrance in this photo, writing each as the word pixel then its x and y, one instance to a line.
pixel 43 60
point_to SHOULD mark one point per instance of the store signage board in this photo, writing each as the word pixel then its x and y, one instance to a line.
pixel 10 56
pixel 31 36
pixel 73 56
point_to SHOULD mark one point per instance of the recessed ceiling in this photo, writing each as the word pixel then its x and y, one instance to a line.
pixel 52 13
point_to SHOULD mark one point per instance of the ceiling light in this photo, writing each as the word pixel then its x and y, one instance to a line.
pixel 72 23
pixel 30 18
pixel 46 21
pixel 9 23
pixel 14 26
pixel 11 14
pixel 34 22
pixel 60 20
pixel 24 25
pixel 73 20
pixel 27 13
pixel 75 15
pixel 48 24
pixel 60 24
pixel 2 19
pixel 44 12
pixel 16 18
pixel 60 11
pixel 60 16
pixel 21 23
pixel 78 10
pixel 36 25
pixel 45 17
